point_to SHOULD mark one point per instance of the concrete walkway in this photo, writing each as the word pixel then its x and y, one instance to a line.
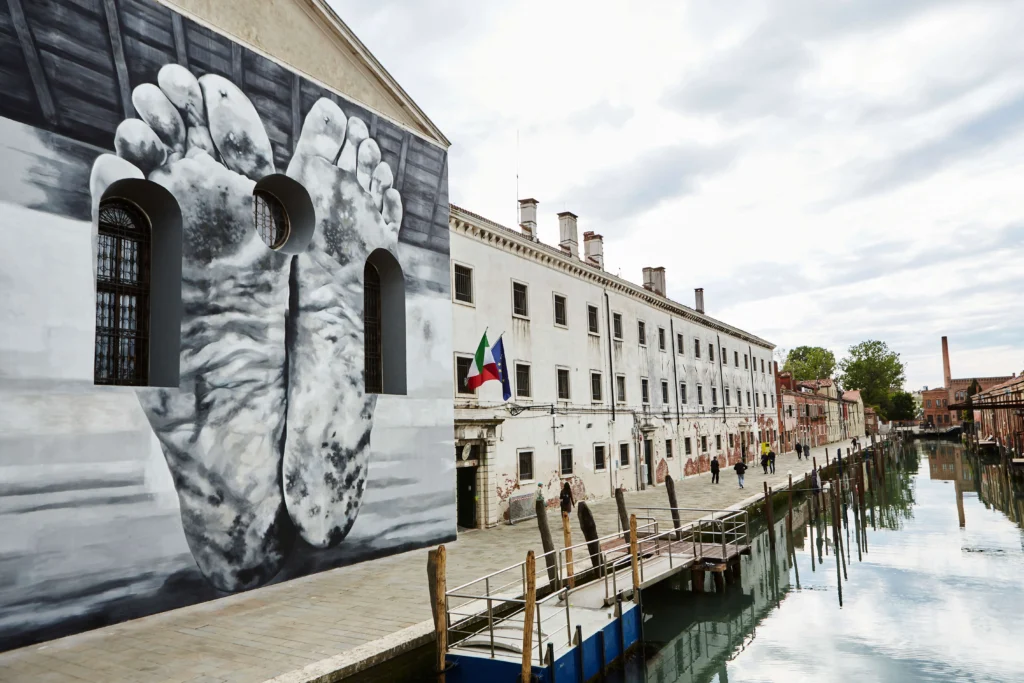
pixel 342 620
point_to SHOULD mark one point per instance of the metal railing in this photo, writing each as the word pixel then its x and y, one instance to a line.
pixel 488 612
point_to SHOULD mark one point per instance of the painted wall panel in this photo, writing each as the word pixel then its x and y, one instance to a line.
pixel 269 460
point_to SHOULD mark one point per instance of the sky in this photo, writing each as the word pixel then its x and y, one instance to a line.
pixel 827 172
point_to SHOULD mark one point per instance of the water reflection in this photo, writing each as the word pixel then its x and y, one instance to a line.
pixel 929 575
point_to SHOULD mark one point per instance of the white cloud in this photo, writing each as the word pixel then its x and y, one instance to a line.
pixel 853 151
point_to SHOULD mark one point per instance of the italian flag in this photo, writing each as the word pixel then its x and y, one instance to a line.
pixel 483 368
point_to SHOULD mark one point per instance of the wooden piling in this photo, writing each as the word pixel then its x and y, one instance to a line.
pixel 528 610
pixel 436 572
pixel 589 528
pixel 620 503
pixel 634 558
pixel 567 539
pixel 547 543
pixel 673 502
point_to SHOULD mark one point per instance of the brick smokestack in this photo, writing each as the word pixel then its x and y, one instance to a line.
pixel 946 375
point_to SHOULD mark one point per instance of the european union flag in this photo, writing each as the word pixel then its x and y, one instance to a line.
pixel 498 353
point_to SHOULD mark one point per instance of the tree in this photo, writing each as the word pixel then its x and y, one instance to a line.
pixel 875 370
pixel 903 407
pixel 810 362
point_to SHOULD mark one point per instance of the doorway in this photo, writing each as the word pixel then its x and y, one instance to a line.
pixel 649 461
pixel 465 497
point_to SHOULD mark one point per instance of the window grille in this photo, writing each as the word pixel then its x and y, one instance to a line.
pixel 372 335
pixel 463 284
pixel 271 219
pixel 122 296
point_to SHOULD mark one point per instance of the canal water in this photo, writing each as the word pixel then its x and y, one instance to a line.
pixel 929 588
pixel 935 593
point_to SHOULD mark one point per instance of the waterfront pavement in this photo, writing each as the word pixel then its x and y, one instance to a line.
pixel 342 620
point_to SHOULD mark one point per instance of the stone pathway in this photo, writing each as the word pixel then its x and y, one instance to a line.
pixel 348 617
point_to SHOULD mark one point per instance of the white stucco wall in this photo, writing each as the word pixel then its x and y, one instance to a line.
pixel 497 258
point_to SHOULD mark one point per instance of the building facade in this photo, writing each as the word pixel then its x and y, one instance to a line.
pixel 815 412
pixel 937 414
pixel 225 351
pixel 1001 412
pixel 613 384
pixel 956 393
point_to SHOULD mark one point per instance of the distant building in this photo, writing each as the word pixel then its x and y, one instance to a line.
pixel 936 408
pixel 814 413
pixel 870 421
pixel 956 389
pixel 1004 421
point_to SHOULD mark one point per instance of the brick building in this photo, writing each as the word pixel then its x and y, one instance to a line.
pixel 1004 423
pixel 815 412
pixel 936 409
pixel 956 392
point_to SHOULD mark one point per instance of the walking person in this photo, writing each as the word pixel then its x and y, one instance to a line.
pixel 764 462
pixel 566 500
pixel 771 460
pixel 741 469
pixel 714 470
pixel 799 449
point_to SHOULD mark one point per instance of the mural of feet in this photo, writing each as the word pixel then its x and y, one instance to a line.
pixel 269 432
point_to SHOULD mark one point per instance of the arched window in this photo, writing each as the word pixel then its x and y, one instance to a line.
pixel 270 218
pixel 122 295
pixel 384 324
pixel 373 353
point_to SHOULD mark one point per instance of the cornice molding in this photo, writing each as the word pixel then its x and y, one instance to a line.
pixel 510 241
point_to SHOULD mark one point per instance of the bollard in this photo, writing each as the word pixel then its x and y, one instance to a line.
pixel 547 543
pixel 530 605
pixel 673 502
pixel 567 540
pixel 589 528
pixel 635 560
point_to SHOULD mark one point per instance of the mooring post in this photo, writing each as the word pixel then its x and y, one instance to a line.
pixel 579 654
pixel 620 503
pixel 589 528
pixel 530 604
pixel 547 543
pixel 634 558
pixel 673 502
pixel 567 539
pixel 436 567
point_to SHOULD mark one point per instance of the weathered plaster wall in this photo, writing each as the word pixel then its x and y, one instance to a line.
pixel 267 461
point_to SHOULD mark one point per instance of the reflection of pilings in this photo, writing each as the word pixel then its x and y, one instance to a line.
pixel 958 471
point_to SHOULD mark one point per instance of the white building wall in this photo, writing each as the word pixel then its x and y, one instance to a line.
pixel 546 424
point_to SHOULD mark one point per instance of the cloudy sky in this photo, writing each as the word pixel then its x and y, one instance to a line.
pixel 829 172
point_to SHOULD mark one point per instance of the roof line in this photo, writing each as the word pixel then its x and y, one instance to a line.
pixel 683 310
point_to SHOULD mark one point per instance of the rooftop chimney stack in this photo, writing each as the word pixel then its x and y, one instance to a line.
pixel 649 279
pixel 528 218
pixel 698 295
pixel 658 280
pixel 945 363
pixel 593 249
pixel 568 240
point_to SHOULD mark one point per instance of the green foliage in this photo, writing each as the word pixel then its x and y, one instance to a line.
pixel 810 362
pixel 903 406
pixel 876 371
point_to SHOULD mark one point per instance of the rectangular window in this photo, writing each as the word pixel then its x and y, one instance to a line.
pixel 563 383
pixel 520 300
pixel 561 315
pixel 762 366
pixel 664 392
pixel 703 444
pixel 593 320
pixel 463 284
pixel 757 404
pixel 523 380
pixel 711 353
pixel 462 366
pixel 773 401
pixel 718 441
pixel 668 448
pixel 688 446
pixel 679 343
pixel 525 465
pixel 599 460
pixel 596 387
pixel 566 461
pixel 645 394
pixel 700 395
pixel 725 356
pixel 623 455
pixel 714 396
pixel 739 399
pixel 928 403
pixel 641 332
pixel 730 441
pixel 746 366
pixel 764 400
pixel 736 356
pixel 661 338
pixel 682 393
pixel 696 348
pixel 748 399
pixel 620 388
pixel 726 394
pixel 617 325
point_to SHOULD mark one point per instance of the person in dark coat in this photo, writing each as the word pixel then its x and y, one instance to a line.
pixel 566 500
pixel 741 469
pixel 764 462
pixel 771 460
pixel 714 470
pixel 799 450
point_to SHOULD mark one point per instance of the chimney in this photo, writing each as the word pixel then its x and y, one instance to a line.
pixel 698 295
pixel 593 249
pixel 567 233
pixel 528 218
pixel 654 280
pixel 945 363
